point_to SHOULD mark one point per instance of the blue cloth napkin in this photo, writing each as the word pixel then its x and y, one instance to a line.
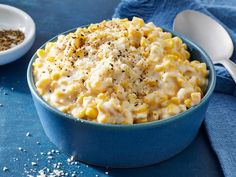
pixel 220 121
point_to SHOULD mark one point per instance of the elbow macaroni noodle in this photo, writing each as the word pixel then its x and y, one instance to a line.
pixel 119 72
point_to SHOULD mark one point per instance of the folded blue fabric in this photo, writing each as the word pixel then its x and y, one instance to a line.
pixel 220 124
pixel 220 121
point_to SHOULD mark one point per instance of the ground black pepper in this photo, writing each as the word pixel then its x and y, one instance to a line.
pixel 10 38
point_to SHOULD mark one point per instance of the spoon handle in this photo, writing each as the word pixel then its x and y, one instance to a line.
pixel 231 68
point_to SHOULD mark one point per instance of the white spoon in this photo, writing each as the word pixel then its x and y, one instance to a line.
pixel 209 34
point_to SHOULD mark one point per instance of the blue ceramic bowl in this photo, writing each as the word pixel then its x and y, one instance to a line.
pixel 124 146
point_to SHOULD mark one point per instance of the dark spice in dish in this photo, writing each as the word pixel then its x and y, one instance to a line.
pixel 10 38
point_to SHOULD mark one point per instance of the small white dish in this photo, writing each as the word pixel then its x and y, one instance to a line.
pixel 16 19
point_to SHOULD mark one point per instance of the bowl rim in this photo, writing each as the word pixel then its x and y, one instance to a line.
pixel 163 122
pixel 30 36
